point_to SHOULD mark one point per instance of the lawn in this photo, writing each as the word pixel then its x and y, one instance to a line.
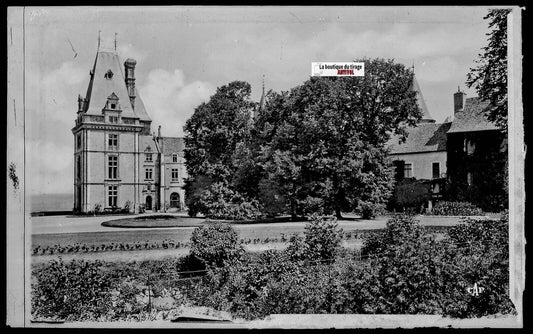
pixel 245 231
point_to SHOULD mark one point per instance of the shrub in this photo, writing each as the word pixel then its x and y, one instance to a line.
pixel 400 229
pixel 445 208
pixel 298 249
pixel 97 208
pixel 411 195
pixel 478 250
pixel 74 290
pixel 215 244
pixel 220 202
pixel 370 210
pixel 127 207
pixel 322 238
pixel 408 272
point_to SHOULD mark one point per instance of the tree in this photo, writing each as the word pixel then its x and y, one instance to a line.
pixel 324 142
pixel 213 136
pixel 489 78
pixel 216 244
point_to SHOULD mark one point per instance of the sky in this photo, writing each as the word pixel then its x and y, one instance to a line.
pixel 184 53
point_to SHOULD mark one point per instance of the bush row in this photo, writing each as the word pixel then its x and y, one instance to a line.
pixel 404 270
pixel 165 244
pixel 102 291
pixel 401 270
pixel 445 208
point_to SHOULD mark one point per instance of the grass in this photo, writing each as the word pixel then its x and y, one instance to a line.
pixel 177 235
pixel 153 221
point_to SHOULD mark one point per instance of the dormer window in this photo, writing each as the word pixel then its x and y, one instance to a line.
pixel 112 102
pixel 108 75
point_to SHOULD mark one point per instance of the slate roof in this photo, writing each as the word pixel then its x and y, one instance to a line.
pixel 172 145
pixel 426 116
pixel 425 137
pixel 140 110
pixel 145 142
pixel 472 118
pixel 101 87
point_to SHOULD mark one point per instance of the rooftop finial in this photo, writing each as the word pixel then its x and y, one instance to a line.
pixel 263 83
pixel 458 88
pixel 116 41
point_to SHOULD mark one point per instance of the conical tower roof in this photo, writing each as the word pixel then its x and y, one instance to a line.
pixel 262 100
pixel 107 78
pixel 426 116
pixel 261 105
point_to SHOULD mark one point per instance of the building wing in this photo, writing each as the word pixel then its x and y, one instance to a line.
pixel 425 137
pixel 472 117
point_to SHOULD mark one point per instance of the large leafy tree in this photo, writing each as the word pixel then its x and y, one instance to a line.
pixel 489 78
pixel 324 142
pixel 214 135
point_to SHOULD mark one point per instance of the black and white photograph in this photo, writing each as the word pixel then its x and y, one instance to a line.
pixel 265 167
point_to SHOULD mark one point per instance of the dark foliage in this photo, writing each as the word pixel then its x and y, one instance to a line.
pixel 411 195
pixel 444 208
pixel 72 290
pixel 489 78
pixel 216 244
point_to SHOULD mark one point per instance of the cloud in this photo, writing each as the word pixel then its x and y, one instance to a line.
pixel 285 56
pixel 49 167
pixel 438 69
pixel 170 101
pixel 51 110
pixel 129 51
pixel 50 114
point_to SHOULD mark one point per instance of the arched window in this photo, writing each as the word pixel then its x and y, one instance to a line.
pixel 174 200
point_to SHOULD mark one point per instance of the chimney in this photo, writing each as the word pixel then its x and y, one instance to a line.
pixel 80 103
pixel 129 68
pixel 459 99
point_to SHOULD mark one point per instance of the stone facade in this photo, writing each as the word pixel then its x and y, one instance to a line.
pixel 118 162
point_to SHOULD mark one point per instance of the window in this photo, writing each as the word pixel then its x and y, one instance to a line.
pixel 436 169
pixel 113 119
pixel 112 141
pixel 113 106
pixel 408 170
pixel 175 200
pixel 78 138
pixel 78 162
pixel 112 195
pixel 148 173
pixel 175 174
pixel 108 74
pixel 148 157
pixel 174 157
pixel 469 146
pixel 112 166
